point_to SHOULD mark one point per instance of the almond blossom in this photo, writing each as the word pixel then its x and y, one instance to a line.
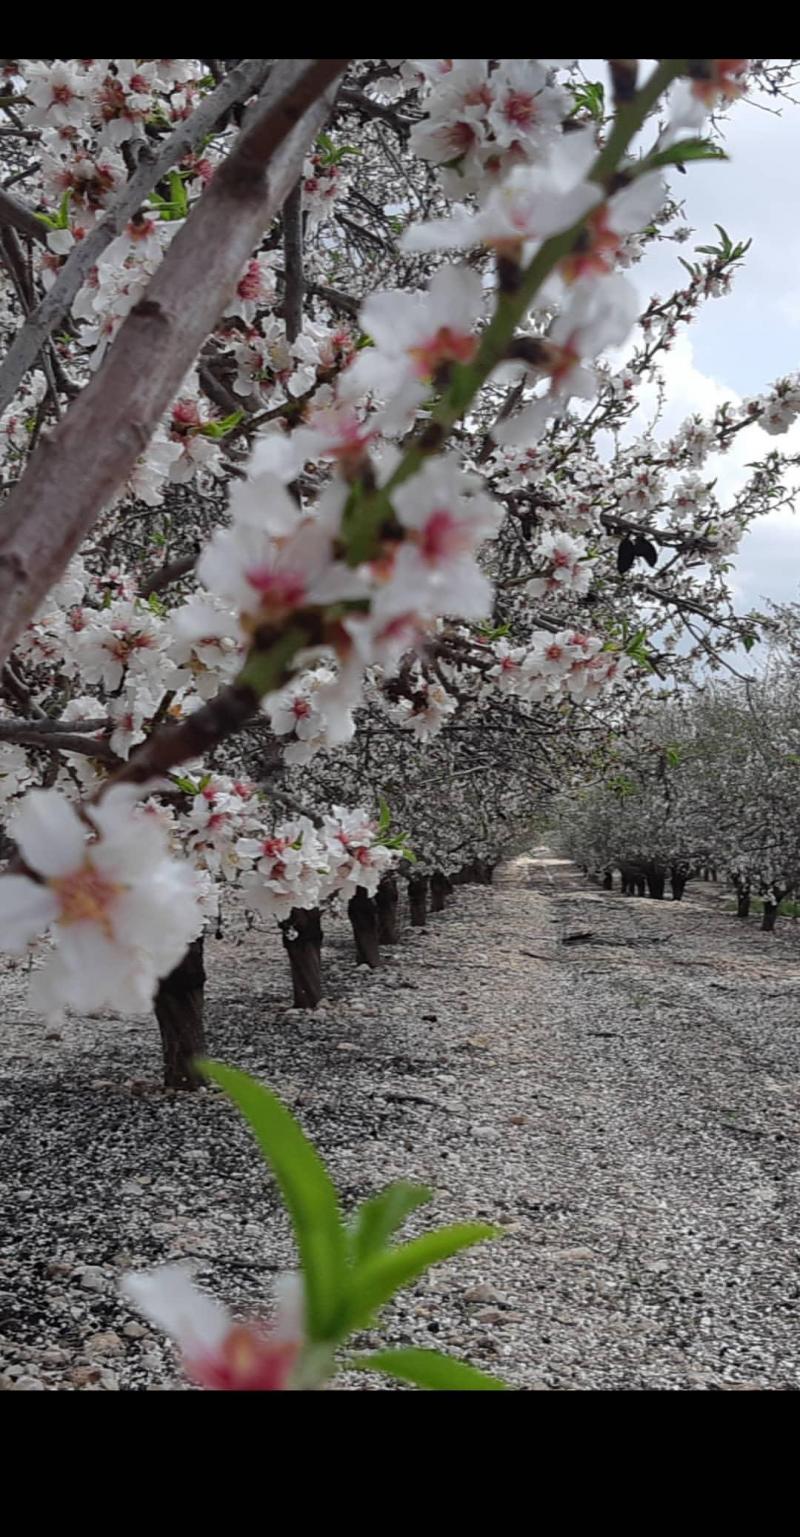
pixel 415 336
pixel 218 1352
pixel 434 570
pixel 121 911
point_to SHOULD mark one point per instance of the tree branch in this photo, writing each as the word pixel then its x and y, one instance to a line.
pixel 293 262
pixel 64 489
pixel 19 217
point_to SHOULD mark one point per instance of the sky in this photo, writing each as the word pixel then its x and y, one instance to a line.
pixel 740 344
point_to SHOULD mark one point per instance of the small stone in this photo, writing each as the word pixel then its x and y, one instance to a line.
pixel 107 1343
pixel 53 1355
pixel 92 1278
pixel 84 1376
pixel 519 1120
pixel 29 1385
pixel 134 1331
pixel 490 1316
pixel 54 1035
pixel 574 1256
pixel 483 1292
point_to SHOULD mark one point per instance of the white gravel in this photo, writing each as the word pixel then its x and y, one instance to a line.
pixel 626 1106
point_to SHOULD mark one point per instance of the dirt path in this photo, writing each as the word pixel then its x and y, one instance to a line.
pixel 626 1104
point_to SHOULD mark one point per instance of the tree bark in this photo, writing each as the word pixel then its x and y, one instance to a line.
pixel 743 903
pixel 386 900
pixel 363 916
pixel 418 900
pixel 440 886
pixel 770 914
pixel 654 875
pixel 179 1011
pixel 608 881
pixel 302 941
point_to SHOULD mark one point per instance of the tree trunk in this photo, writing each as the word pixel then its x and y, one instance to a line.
pixel 654 875
pixel 743 903
pixel 418 900
pixel 608 881
pixel 678 883
pixel 440 886
pixel 363 916
pixel 302 941
pixel 386 899
pixel 179 1010
pixel 770 914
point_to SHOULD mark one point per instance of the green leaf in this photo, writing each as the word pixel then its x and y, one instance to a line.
pixel 385 821
pixel 685 149
pixel 221 428
pixel 430 1369
pixel 186 784
pixel 590 98
pixel 180 201
pixel 380 1277
pixel 378 1218
pixel 306 1188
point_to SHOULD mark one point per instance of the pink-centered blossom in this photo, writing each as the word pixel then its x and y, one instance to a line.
pixel 120 910
pixel 219 1353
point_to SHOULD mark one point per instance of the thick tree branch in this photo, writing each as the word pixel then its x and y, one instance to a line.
pixel 293 262
pixel 64 489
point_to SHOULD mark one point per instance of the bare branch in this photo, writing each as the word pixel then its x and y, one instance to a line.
pixel 171 572
pixel 15 213
pixel 64 489
pixel 336 299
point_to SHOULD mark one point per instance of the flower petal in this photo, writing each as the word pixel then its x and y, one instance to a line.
pixel 49 834
pixel 169 1297
pixel 26 910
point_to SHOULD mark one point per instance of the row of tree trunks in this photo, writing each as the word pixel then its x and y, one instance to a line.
pixel 179 1000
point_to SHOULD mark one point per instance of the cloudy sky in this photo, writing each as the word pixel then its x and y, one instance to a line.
pixel 741 343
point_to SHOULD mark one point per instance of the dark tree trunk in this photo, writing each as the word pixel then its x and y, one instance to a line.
pixel 770 914
pixel 655 876
pixel 363 916
pixel 608 881
pixel 440 886
pixel 179 1011
pixel 302 941
pixel 677 881
pixel 386 899
pixel 418 900
pixel 743 903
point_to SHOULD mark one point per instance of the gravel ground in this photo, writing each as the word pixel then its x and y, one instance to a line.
pixel 624 1105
